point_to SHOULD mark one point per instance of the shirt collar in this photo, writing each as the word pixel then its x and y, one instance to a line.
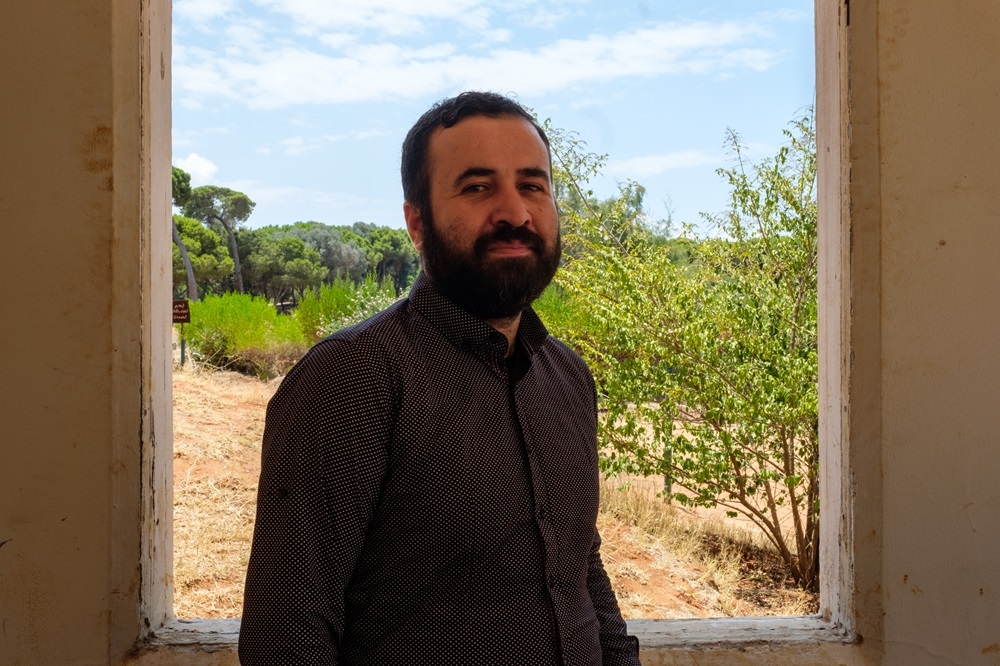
pixel 466 331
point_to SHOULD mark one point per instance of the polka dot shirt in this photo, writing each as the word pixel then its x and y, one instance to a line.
pixel 422 503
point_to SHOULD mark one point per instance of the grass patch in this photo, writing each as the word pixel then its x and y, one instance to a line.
pixel 743 573
pixel 244 333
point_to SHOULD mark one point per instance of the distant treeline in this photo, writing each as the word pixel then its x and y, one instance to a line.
pixel 214 254
pixel 281 263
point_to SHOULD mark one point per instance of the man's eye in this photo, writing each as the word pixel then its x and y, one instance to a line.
pixel 474 187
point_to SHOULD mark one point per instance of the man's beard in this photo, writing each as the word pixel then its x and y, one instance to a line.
pixel 490 287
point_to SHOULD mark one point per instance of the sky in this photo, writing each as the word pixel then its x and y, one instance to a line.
pixel 303 104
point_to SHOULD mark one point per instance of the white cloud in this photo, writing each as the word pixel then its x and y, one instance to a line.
pixel 651 165
pixel 498 36
pixel 298 145
pixel 273 198
pixel 202 170
pixel 585 102
pixel 276 76
pixel 338 40
pixel 202 10
pixel 192 138
pixel 392 17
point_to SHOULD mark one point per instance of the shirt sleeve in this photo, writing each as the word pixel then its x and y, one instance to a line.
pixel 324 456
pixel 617 647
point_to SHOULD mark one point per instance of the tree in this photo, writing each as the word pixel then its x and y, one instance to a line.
pixel 280 265
pixel 210 261
pixel 181 192
pixel 228 208
pixel 397 258
pixel 342 258
pixel 707 367
pixel 390 252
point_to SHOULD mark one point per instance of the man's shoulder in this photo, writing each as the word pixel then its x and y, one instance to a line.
pixel 384 329
pixel 368 348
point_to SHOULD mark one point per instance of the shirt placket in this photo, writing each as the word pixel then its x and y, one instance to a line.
pixel 542 513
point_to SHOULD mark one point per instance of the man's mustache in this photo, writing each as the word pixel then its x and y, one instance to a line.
pixel 505 234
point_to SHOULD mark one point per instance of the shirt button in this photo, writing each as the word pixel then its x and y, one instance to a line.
pixel 552 582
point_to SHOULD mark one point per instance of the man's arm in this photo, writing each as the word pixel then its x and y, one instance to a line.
pixel 617 647
pixel 323 460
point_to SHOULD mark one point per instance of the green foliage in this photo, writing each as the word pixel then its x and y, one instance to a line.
pixel 244 333
pixel 331 302
pixel 369 298
pixel 561 312
pixel 389 251
pixel 280 266
pixel 213 204
pixel 212 266
pixel 704 350
pixel 341 257
pixel 227 208
pixel 180 188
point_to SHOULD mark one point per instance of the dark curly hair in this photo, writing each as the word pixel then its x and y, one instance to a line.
pixel 447 113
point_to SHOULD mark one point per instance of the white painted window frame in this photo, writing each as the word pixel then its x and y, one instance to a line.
pixel 828 636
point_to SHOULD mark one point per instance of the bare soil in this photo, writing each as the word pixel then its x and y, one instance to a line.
pixel 218 422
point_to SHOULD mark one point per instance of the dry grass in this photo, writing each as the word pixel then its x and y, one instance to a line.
pixel 726 569
pixel 218 421
pixel 664 562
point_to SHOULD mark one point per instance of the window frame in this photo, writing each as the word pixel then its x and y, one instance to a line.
pixel 829 635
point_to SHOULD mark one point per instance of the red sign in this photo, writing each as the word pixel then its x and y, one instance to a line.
pixel 182 313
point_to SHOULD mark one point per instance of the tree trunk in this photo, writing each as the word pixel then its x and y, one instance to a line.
pixel 237 270
pixel 192 285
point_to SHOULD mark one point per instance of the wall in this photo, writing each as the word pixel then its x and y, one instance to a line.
pixel 912 181
pixel 940 232
pixel 81 329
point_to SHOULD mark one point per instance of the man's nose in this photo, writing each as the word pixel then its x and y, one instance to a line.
pixel 509 208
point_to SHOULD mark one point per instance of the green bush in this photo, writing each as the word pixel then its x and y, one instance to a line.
pixel 368 298
pixel 331 302
pixel 563 315
pixel 244 333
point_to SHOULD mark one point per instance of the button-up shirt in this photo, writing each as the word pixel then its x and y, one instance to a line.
pixel 421 504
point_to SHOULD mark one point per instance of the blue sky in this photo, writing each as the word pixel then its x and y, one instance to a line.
pixel 303 104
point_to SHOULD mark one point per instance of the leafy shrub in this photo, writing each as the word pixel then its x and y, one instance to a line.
pixel 330 302
pixel 244 333
pixel 369 298
pixel 563 315
pixel 705 353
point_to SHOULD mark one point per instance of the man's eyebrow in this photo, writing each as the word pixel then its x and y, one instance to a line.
pixel 534 172
pixel 478 172
pixel 474 172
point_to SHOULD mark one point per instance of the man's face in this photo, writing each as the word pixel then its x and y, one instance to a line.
pixel 490 241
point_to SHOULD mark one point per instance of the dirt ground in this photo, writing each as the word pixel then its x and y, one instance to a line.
pixel 218 421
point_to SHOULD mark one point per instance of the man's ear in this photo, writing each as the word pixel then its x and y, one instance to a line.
pixel 414 225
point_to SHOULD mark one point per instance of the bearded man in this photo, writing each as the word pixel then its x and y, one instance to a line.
pixel 429 482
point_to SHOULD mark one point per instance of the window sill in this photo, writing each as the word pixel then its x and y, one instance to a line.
pixel 800 640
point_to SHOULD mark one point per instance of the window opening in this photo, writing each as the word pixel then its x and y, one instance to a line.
pixel 218 417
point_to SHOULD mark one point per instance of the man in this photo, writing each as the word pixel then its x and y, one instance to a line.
pixel 429 482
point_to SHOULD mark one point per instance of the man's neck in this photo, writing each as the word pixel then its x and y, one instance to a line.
pixel 507 326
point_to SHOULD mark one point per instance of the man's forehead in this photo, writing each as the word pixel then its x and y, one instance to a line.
pixel 489 133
